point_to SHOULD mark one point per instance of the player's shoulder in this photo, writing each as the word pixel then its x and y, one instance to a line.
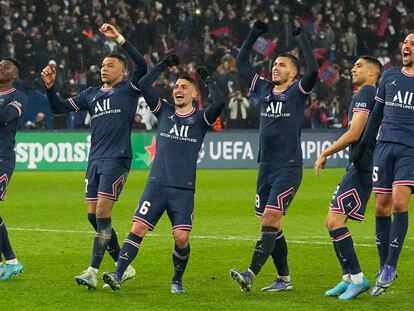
pixel 392 71
pixel 18 95
pixel 367 90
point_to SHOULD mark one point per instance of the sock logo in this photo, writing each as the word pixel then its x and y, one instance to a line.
pixel 124 256
pixel 395 243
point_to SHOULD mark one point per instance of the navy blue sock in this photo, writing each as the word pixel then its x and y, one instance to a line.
pixel 101 241
pixel 6 247
pixel 263 249
pixel 382 236
pixel 398 232
pixel 128 253
pixel 279 255
pixel 338 255
pixel 180 259
pixel 343 239
pixel 113 247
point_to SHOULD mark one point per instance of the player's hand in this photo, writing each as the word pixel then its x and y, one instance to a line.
pixel 170 61
pixel 203 74
pixel 109 31
pixel 48 75
pixel 259 28
pixel 296 31
pixel 319 164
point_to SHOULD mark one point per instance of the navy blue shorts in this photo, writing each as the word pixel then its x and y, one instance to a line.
pixel 178 202
pixel 352 194
pixel 276 188
pixel 5 176
pixel 105 178
pixel 393 166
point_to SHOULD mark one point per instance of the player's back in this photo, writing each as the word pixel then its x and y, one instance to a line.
pixel 16 100
pixel 396 92
pixel 179 140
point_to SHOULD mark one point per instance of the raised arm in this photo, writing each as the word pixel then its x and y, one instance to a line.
pixel 57 105
pixel 214 110
pixel 244 67
pixel 145 84
pixel 308 81
pixel 140 68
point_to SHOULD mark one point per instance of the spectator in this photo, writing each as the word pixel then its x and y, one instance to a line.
pixel 237 111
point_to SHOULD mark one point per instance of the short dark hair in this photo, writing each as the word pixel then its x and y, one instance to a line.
pixel 189 79
pixel 15 62
pixel 373 61
pixel 293 58
pixel 120 57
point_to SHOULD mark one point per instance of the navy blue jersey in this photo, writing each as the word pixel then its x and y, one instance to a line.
pixel 12 106
pixel 396 92
pixel 112 115
pixel 179 139
pixel 281 116
pixel 112 111
pixel 364 102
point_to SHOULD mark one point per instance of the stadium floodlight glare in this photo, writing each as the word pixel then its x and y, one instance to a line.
pixel 198 11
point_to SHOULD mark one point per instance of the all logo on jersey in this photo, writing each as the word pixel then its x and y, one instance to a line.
pixel 274 110
pixel 179 132
pixel 403 98
pixel 103 108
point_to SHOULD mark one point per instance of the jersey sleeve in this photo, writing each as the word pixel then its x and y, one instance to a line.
pixel 14 109
pixel 380 96
pixel 76 103
pixel 258 85
pixel 364 100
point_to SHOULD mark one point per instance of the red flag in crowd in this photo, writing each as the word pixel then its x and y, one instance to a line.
pixel 327 72
pixel 221 32
pixel 264 46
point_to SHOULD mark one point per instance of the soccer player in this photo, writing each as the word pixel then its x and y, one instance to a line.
pixel 393 163
pixel 171 184
pixel 282 103
pixel 112 108
pixel 12 107
pixel 352 194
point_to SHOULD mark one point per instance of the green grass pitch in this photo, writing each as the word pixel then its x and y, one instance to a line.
pixel 46 215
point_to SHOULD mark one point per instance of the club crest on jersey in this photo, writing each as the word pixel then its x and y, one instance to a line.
pixel 190 120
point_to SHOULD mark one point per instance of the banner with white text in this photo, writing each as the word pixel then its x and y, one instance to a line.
pixel 228 149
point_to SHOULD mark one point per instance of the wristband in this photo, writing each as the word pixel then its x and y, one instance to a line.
pixel 120 39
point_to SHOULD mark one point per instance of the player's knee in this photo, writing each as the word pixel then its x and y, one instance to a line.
pixel 272 219
pixel 181 238
pixel 399 205
pixel 139 229
pixel 383 207
pixel 333 224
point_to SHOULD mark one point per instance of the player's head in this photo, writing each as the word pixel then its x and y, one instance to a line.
pixel 285 69
pixel 9 70
pixel 113 68
pixel 407 50
pixel 366 70
pixel 185 90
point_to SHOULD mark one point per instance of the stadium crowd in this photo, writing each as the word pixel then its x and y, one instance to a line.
pixel 64 34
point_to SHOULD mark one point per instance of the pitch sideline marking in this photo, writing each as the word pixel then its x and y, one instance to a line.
pixel 203 237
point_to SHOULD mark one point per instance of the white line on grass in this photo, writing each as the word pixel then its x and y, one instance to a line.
pixel 303 240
